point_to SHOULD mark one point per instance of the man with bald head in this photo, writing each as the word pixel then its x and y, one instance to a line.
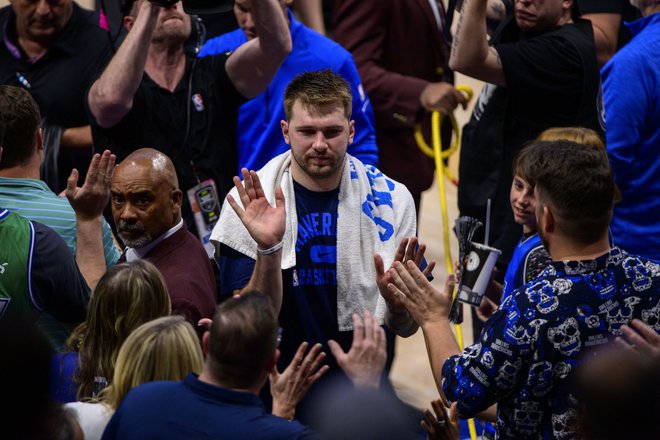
pixel 146 206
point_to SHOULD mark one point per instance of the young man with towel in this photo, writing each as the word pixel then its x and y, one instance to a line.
pixel 315 229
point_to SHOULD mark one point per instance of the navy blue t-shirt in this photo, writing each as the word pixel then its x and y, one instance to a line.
pixel 309 307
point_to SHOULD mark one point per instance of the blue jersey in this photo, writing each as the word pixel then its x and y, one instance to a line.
pixel 525 265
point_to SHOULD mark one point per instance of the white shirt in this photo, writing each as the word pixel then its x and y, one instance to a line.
pixel 92 417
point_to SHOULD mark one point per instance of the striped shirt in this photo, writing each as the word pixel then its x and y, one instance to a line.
pixel 35 201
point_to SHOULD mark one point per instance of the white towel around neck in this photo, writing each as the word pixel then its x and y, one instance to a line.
pixel 374 214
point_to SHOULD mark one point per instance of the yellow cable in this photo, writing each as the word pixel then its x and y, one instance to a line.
pixel 439 156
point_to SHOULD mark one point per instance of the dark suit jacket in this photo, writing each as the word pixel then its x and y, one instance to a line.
pixel 398 49
pixel 184 264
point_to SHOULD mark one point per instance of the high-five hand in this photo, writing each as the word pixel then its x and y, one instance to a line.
pixel 407 251
pixel 265 223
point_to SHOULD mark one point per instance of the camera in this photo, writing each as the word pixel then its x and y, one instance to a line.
pixel 199 6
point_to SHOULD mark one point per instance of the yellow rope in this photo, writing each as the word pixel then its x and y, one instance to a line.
pixel 442 170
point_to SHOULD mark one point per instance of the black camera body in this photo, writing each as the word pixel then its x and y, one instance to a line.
pixel 199 6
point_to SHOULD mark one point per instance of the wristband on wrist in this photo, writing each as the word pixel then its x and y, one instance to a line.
pixel 272 250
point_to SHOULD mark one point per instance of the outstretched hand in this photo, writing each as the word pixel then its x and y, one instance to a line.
pixel 90 200
pixel 423 301
pixel 406 251
pixel 441 426
pixel 265 223
pixel 639 337
pixel 289 387
pixel 365 361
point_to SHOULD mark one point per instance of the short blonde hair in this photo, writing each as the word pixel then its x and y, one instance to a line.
pixel 163 349
pixel 315 90
pixel 579 135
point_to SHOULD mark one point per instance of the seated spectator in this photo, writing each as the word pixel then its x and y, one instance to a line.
pixel 526 358
pixel 259 131
pixel 128 295
pixel 166 348
pixel 223 402
pixel 146 206
pixel 631 95
pixel 22 191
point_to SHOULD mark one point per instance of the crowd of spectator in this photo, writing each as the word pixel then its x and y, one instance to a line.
pixel 218 238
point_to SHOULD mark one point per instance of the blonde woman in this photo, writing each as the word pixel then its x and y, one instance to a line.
pixel 164 349
pixel 126 296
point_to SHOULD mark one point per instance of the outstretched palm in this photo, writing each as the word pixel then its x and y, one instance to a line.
pixel 265 223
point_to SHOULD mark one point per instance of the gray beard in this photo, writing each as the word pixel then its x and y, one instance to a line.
pixel 139 242
pixel 142 240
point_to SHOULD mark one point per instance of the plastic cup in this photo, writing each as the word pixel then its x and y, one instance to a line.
pixel 477 273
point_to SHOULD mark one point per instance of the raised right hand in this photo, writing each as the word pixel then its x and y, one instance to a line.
pixel 265 223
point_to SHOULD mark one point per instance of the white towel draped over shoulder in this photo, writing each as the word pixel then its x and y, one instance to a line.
pixel 374 214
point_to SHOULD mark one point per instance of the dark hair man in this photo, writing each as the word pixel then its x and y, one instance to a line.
pixel 313 251
pixel 526 357
pixel 24 193
pixel 542 72
pixel 53 48
pixel 223 402
pixel 146 206
pixel 21 189
pixel 153 94
pixel 38 273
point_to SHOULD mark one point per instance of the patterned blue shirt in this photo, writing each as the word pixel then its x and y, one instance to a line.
pixel 530 347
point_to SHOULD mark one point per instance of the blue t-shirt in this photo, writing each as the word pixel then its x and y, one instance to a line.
pixel 193 409
pixel 309 306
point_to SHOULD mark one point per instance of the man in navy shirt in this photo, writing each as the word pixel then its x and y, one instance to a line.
pixel 223 401
pixel 313 252
pixel 526 357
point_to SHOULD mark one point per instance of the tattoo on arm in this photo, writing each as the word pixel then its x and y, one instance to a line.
pixel 456 41
pixel 496 10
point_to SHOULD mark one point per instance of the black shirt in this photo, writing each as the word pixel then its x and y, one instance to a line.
pixel 59 80
pixel 58 286
pixel 552 80
pixel 622 7
pixel 195 126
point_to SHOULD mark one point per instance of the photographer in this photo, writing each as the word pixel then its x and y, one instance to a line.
pixel 154 94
